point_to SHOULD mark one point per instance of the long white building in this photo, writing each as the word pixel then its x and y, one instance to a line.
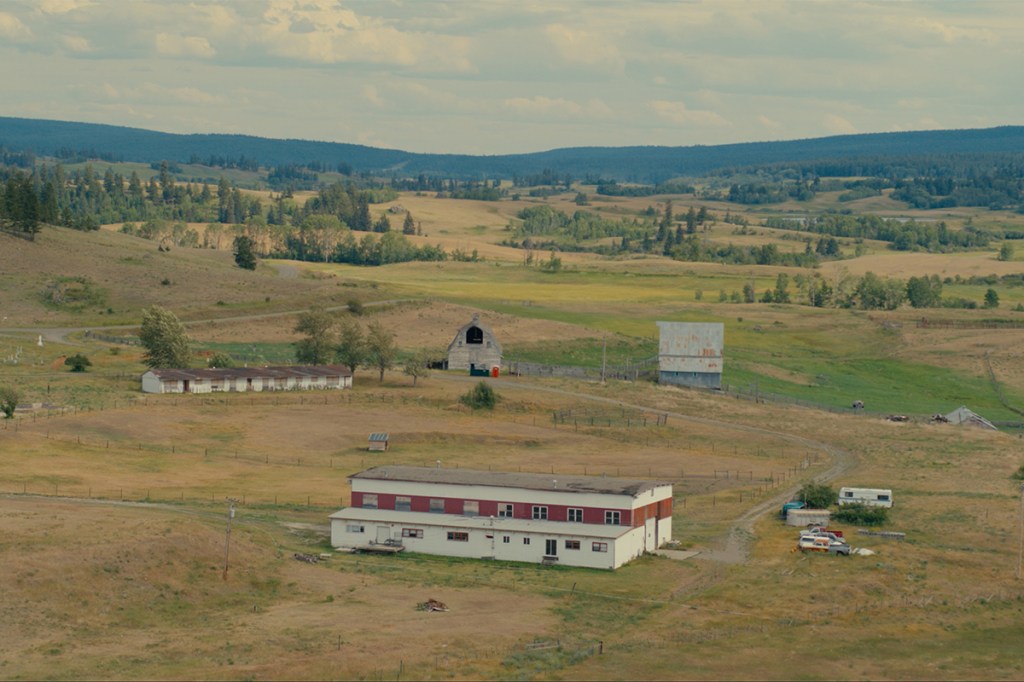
pixel 590 521
pixel 285 378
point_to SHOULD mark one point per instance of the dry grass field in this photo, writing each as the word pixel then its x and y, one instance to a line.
pixel 113 513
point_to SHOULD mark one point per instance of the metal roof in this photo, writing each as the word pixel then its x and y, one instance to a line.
pixel 508 479
pixel 279 372
pixel 378 437
pixel 498 525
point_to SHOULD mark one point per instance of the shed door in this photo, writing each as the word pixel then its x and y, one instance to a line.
pixel 651 535
pixel 383 533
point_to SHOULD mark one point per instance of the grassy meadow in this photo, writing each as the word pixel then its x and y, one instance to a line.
pixel 113 503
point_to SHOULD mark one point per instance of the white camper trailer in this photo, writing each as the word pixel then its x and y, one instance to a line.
pixel 870 497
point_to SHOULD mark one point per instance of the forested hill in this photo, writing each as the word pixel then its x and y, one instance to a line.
pixel 637 164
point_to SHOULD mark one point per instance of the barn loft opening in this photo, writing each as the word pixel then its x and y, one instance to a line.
pixel 474 335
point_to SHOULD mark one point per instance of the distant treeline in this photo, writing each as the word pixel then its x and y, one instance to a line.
pixel 902 235
pixel 547 228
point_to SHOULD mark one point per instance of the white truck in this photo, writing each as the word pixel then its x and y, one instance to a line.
pixel 869 497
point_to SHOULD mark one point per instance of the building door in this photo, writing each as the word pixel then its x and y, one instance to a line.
pixel 651 534
pixel 551 548
pixel 383 534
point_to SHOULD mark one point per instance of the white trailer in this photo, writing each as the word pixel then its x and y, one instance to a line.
pixel 871 497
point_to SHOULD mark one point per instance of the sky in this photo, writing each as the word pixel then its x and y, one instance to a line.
pixel 498 77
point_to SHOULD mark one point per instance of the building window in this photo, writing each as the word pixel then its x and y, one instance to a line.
pixel 457 536
pixel 353 529
pixel 369 501
pixel 436 506
pixel 412 532
pixel 526 541
pixel 403 503
pixel 612 518
pixel 540 513
pixel 504 511
pixel 470 508
pixel 575 515
pixel 506 539
pixel 599 547
pixel 572 544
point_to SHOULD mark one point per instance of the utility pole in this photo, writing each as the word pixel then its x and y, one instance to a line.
pixel 1020 544
pixel 227 535
pixel 604 359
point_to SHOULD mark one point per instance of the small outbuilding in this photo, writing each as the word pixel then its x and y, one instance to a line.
pixel 474 348
pixel 378 442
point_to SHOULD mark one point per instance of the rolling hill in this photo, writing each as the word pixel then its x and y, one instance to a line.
pixel 638 164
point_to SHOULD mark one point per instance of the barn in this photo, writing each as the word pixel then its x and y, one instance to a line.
pixel 592 521
pixel 474 348
pixel 286 378
pixel 690 353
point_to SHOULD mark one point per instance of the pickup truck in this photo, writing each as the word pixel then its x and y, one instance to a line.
pixel 823 544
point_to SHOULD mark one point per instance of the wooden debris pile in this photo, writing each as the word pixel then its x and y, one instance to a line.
pixel 307 558
pixel 431 605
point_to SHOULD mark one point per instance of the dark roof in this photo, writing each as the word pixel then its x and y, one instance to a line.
pixel 509 479
pixel 282 372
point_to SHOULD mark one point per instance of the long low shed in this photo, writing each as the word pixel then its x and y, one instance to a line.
pixel 282 378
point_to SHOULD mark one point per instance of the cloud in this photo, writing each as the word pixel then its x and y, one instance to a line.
pixel 62 6
pixel 173 45
pixel 769 123
pixel 77 44
pixel 321 32
pixel 12 28
pixel 153 93
pixel 371 95
pixel 557 107
pixel 838 125
pixel 950 34
pixel 678 113
pixel 585 47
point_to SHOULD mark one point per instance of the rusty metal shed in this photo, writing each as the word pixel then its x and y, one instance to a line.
pixel 691 353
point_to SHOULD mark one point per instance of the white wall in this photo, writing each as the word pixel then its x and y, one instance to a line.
pixel 435 540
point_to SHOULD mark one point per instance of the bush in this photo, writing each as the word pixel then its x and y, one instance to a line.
pixel 481 397
pixel 817 495
pixel 861 515
pixel 77 362
pixel 1019 474
pixel 355 306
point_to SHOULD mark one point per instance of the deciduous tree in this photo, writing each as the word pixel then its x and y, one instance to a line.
pixel 318 345
pixel 351 349
pixel 381 350
pixel 164 338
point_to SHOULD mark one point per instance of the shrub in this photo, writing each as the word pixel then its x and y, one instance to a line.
pixel 9 397
pixel 77 362
pixel 861 515
pixel 1019 474
pixel 480 397
pixel 355 306
pixel 817 495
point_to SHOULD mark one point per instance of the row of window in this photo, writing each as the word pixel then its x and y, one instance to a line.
pixel 505 510
pixel 462 536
